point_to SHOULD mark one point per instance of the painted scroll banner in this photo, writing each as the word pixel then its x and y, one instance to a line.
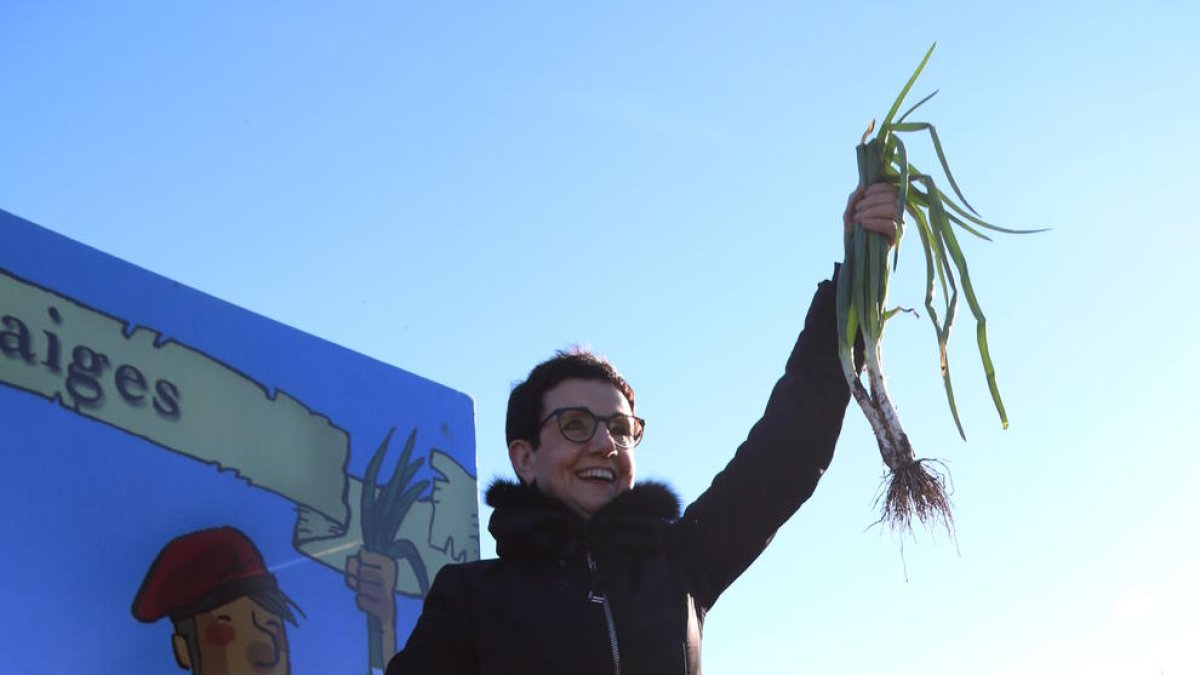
pixel 186 401
pixel 171 395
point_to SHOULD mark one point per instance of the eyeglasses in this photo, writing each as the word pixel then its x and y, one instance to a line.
pixel 579 425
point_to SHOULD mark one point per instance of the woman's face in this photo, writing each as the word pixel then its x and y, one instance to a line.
pixel 584 476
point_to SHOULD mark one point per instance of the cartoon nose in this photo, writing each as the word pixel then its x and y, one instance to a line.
pixel 264 652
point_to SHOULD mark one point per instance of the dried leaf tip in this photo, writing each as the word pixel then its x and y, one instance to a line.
pixel 867 133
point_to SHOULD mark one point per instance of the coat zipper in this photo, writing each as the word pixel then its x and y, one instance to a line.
pixel 602 600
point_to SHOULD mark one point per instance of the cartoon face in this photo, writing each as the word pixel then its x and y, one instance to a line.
pixel 240 638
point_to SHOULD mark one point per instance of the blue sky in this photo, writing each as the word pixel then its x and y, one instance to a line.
pixel 461 189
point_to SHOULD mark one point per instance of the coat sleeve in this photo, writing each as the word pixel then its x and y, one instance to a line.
pixel 443 640
pixel 778 465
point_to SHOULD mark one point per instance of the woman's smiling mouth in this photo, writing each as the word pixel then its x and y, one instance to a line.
pixel 600 474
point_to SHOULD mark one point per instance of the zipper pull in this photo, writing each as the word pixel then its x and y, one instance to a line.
pixel 602 600
pixel 593 596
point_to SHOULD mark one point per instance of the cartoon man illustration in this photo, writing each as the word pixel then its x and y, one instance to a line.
pixel 227 610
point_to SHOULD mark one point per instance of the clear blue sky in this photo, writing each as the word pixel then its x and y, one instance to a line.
pixel 462 188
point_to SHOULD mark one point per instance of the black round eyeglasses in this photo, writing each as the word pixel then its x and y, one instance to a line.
pixel 579 425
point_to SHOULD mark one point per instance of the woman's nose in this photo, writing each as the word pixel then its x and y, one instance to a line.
pixel 603 442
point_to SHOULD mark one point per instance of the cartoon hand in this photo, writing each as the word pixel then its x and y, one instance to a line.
pixel 455 524
pixel 373 576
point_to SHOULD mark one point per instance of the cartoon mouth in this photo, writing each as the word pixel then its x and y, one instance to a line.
pixel 602 475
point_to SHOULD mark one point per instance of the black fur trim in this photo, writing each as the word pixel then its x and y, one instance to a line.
pixel 650 499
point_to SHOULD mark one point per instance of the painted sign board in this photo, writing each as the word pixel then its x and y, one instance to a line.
pixel 183 483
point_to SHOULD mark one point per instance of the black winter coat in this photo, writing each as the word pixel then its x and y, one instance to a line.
pixel 627 591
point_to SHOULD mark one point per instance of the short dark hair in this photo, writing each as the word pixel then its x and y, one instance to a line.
pixel 576 363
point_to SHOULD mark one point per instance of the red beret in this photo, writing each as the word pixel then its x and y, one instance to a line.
pixel 198 572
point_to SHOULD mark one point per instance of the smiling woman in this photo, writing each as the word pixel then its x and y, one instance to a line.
pixel 598 574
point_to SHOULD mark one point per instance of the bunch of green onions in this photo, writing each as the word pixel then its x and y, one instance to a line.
pixel 913 487
pixel 382 510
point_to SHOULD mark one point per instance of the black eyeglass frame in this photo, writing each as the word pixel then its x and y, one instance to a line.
pixel 596 420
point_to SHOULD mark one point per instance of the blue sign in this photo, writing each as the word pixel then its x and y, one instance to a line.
pixel 188 484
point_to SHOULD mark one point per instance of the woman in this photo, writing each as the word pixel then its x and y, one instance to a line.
pixel 596 575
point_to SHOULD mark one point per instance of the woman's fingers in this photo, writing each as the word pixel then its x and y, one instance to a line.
pixel 848 214
pixel 873 207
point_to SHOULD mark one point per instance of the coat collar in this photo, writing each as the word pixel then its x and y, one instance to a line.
pixel 526 522
pixel 649 499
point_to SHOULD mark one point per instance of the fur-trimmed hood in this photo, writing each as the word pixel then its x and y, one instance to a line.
pixel 528 523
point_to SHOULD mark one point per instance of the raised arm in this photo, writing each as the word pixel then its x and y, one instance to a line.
pixel 777 467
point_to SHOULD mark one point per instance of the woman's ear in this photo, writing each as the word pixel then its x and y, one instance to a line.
pixel 520 453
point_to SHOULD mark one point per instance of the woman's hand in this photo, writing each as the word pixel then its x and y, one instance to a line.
pixel 873 207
